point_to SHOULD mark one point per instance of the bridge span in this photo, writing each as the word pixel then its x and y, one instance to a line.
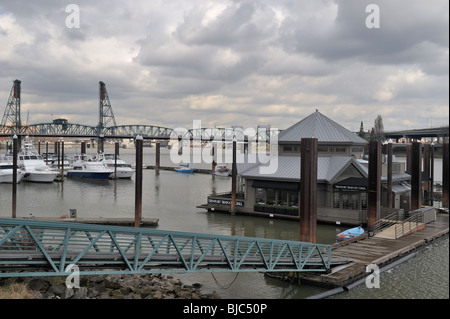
pixel 107 127
pixel 40 248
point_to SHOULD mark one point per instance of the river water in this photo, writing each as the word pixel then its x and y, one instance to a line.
pixel 172 198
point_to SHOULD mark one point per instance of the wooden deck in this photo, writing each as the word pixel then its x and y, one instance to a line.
pixel 114 221
pixel 392 233
pixel 381 251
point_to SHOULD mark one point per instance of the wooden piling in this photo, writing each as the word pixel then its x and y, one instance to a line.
pixel 233 181
pixel 426 170
pixel 389 175
pixel 374 185
pixel 46 153
pixel 432 173
pixel 308 190
pixel 408 157
pixel 158 155
pixel 213 155
pixel 445 160
pixel 57 152
pixel 14 181
pixel 62 158
pixel 138 182
pixel 416 176
pixel 116 154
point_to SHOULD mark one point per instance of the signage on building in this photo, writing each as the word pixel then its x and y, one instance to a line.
pixel 350 188
pixel 221 201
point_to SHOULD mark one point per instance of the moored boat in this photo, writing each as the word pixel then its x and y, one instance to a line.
pixel 86 169
pixel 184 168
pixel 6 170
pixel 222 170
pixel 351 233
pixel 124 171
pixel 33 164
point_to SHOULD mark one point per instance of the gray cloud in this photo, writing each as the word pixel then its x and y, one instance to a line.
pixel 229 62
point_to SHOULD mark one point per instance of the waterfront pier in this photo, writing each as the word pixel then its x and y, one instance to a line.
pixel 381 251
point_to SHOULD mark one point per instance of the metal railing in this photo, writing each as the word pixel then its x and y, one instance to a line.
pixel 401 225
pixel 410 224
pixel 387 221
pixel 39 248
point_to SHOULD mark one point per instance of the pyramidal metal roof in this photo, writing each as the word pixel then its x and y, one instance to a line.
pixel 321 127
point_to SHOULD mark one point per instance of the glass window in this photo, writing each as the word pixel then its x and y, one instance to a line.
pixel 260 196
pixel 270 196
pixel 355 201
pixel 282 198
pixel 345 201
pixel 336 200
pixel 322 148
pixel 293 199
pixel 340 149
pixel 363 200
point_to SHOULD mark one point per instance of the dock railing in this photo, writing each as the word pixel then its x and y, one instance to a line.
pixel 412 223
pixel 388 221
pixel 395 225
pixel 39 248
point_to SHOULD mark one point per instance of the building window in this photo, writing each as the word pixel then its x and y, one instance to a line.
pixel 363 199
pixel 322 149
pixel 282 198
pixel 350 200
pixel 270 196
pixel 336 200
pixel 293 199
pixel 340 149
pixel 354 201
pixel 260 196
pixel 291 149
pixel 357 149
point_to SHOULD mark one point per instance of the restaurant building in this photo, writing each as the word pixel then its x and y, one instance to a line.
pixel 341 177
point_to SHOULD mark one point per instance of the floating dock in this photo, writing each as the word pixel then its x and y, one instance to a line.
pixel 170 168
pixel 381 251
pixel 118 221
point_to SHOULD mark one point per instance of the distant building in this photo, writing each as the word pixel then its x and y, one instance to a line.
pixel 341 177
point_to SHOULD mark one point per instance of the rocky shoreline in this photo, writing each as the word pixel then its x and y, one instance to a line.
pixel 152 286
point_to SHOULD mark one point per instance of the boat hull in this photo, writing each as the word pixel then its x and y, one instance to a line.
pixel 185 170
pixel 89 175
pixel 122 174
pixel 351 233
pixel 8 178
pixel 40 177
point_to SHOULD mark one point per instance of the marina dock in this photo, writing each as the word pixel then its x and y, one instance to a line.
pixel 381 251
pixel 113 221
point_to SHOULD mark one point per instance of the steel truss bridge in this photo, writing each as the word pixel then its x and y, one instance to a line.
pixel 11 125
pixel 39 248
pixel 131 131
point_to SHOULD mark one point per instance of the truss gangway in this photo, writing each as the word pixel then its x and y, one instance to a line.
pixel 31 247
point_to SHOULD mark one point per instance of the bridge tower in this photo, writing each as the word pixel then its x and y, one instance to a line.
pixel 11 117
pixel 106 115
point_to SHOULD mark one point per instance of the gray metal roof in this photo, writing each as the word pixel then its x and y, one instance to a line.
pixel 321 127
pixel 288 168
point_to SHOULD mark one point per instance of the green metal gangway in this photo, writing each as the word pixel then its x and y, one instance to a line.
pixel 40 248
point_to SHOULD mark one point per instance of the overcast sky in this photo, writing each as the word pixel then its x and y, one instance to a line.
pixel 226 63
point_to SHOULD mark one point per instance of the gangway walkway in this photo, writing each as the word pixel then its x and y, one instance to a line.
pixel 41 248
